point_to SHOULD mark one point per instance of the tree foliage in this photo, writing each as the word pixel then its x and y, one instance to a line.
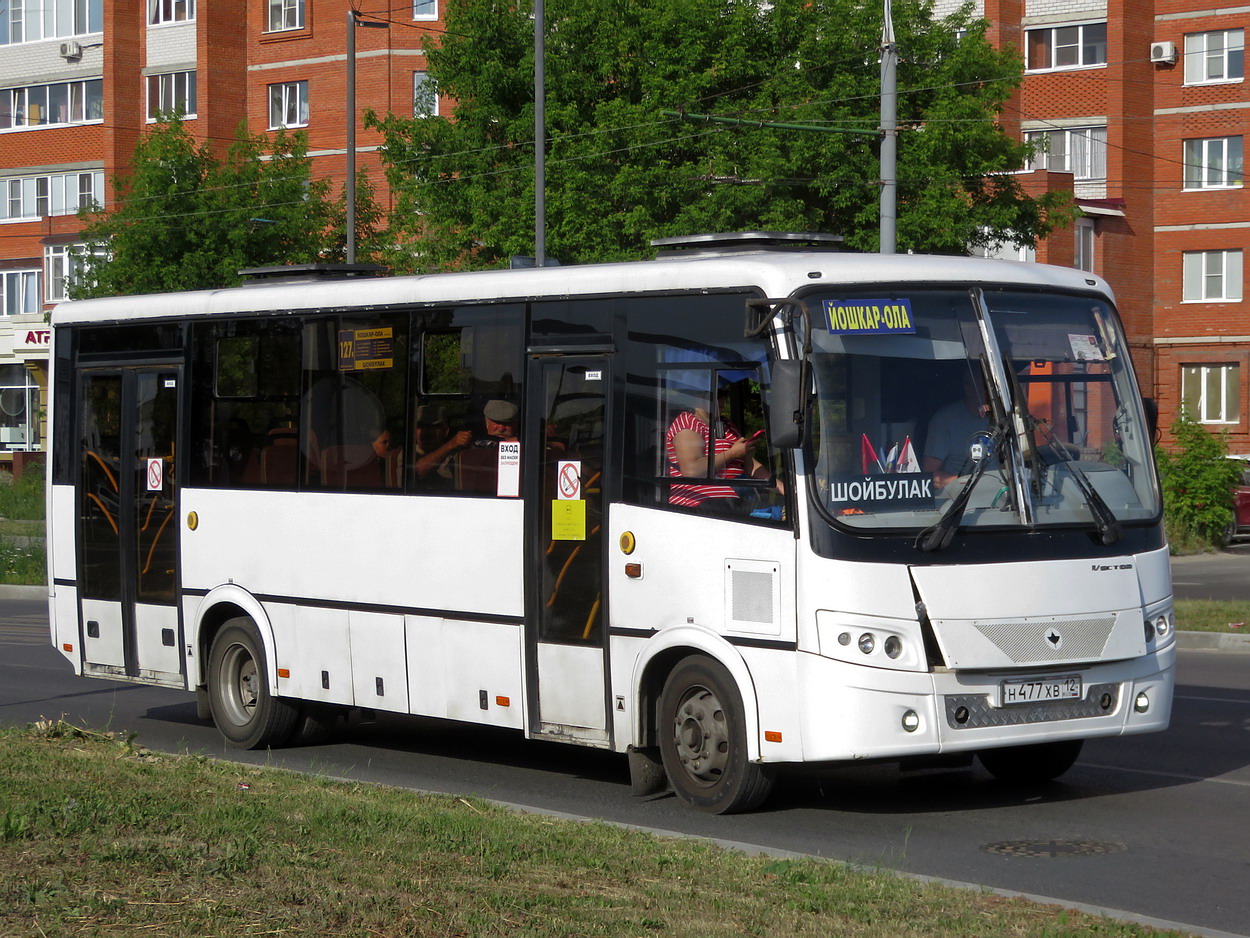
pixel 620 173
pixel 1197 482
pixel 184 218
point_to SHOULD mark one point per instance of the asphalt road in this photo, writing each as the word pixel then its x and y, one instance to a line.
pixel 1225 575
pixel 1154 826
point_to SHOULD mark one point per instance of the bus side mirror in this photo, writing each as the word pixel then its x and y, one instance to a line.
pixel 787 404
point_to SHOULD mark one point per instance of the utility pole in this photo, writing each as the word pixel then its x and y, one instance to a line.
pixel 540 135
pixel 889 135
pixel 349 188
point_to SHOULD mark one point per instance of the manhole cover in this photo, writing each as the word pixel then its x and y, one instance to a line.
pixel 1052 848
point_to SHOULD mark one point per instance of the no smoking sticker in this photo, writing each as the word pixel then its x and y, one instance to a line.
pixel 569 479
pixel 156 475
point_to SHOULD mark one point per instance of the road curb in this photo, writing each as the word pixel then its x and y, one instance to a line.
pixel 1213 641
pixel 14 591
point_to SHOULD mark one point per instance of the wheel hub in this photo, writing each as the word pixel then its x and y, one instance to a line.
pixel 701 736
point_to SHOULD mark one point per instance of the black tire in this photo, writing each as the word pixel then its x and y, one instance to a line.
pixel 702 736
pixel 246 713
pixel 1025 765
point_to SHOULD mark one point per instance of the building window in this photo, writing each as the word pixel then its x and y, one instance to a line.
pixel 285 14
pixel 60 194
pixel 171 94
pixel 1058 47
pixel 288 105
pixel 74 102
pixel 19 292
pixel 1212 393
pixel 19 408
pixel 1212 275
pixel 424 95
pixel 1083 235
pixel 64 266
pixel 38 20
pixel 1215 56
pixel 1081 151
pixel 170 11
pixel 1213 163
pixel 425 9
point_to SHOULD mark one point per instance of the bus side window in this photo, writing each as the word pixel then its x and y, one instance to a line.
pixel 245 387
pixel 467 398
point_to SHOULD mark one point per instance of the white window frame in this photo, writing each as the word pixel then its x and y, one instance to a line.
pixel 288 104
pixel 65 265
pixel 1205 55
pixel 420 81
pixel 1213 162
pixel 42 20
pixel 1212 393
pixel 1083 244
pixel 23 198
pixel 1211 276
pixel 284 15
pixel 425 10
pixel 172 92
pixel 1088 53
pixel 37 101
pixel 170 12
pixel 1086 147
pixel 17 286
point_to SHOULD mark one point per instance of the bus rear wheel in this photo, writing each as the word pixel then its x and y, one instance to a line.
pixel 702 735
pixel 248 715
pixel 1023 765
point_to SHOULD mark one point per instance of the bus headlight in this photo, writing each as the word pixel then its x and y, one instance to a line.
pixel 871 641
pixel 1160 625
pixel 893 646
pixel 867 643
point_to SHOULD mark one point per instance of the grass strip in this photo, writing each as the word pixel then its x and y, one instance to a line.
pixel 100 836
pixel 1213 615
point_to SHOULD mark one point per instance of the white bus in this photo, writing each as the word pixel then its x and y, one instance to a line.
pixel 694 509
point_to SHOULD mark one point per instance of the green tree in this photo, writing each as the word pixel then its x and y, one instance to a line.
pixel 184 218
pixel 1197 482
pixel 619 173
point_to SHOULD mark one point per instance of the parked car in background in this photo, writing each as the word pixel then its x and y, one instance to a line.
pixel 1240 525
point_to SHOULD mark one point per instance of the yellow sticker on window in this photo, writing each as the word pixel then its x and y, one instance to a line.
pixel 568 520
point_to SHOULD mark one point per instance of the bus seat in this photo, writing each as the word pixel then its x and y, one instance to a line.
pixel 279 460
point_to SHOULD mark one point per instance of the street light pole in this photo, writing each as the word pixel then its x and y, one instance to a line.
pixel 349 189
pixel 540 137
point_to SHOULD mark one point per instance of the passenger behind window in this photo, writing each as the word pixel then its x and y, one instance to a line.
pixel 948 443
pixel 687 447
pixel 477 466
pixel 435 447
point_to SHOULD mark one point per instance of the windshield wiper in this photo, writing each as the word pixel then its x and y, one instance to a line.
pixel 1109 530
pixel 940 534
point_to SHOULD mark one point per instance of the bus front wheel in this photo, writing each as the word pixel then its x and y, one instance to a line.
pixel 248 715
pixel 702 734
pixel 1023 765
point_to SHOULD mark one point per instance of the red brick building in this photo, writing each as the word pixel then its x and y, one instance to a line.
pixel 1145 105
pixel 80 80
pixel 1141 103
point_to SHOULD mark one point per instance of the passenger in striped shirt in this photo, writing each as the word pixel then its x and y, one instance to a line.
pixel 686 445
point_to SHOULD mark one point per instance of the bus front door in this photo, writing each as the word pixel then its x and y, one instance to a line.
pixel 565 602
pixel 127 524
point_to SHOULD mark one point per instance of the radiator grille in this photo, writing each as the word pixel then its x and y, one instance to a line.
pixel 1059 640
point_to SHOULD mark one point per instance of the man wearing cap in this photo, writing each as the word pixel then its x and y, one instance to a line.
pixel 477 468
pixel 435 445
pixel 500 422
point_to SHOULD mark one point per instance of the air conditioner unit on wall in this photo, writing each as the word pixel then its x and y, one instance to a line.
pixel 71 50
pixel 1164 52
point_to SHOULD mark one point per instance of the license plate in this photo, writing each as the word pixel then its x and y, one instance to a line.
pixel 1041 689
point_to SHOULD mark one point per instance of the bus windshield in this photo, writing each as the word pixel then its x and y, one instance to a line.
pixel 941 409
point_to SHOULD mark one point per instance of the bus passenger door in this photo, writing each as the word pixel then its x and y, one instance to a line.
pixel 127 524
pixel 565 454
